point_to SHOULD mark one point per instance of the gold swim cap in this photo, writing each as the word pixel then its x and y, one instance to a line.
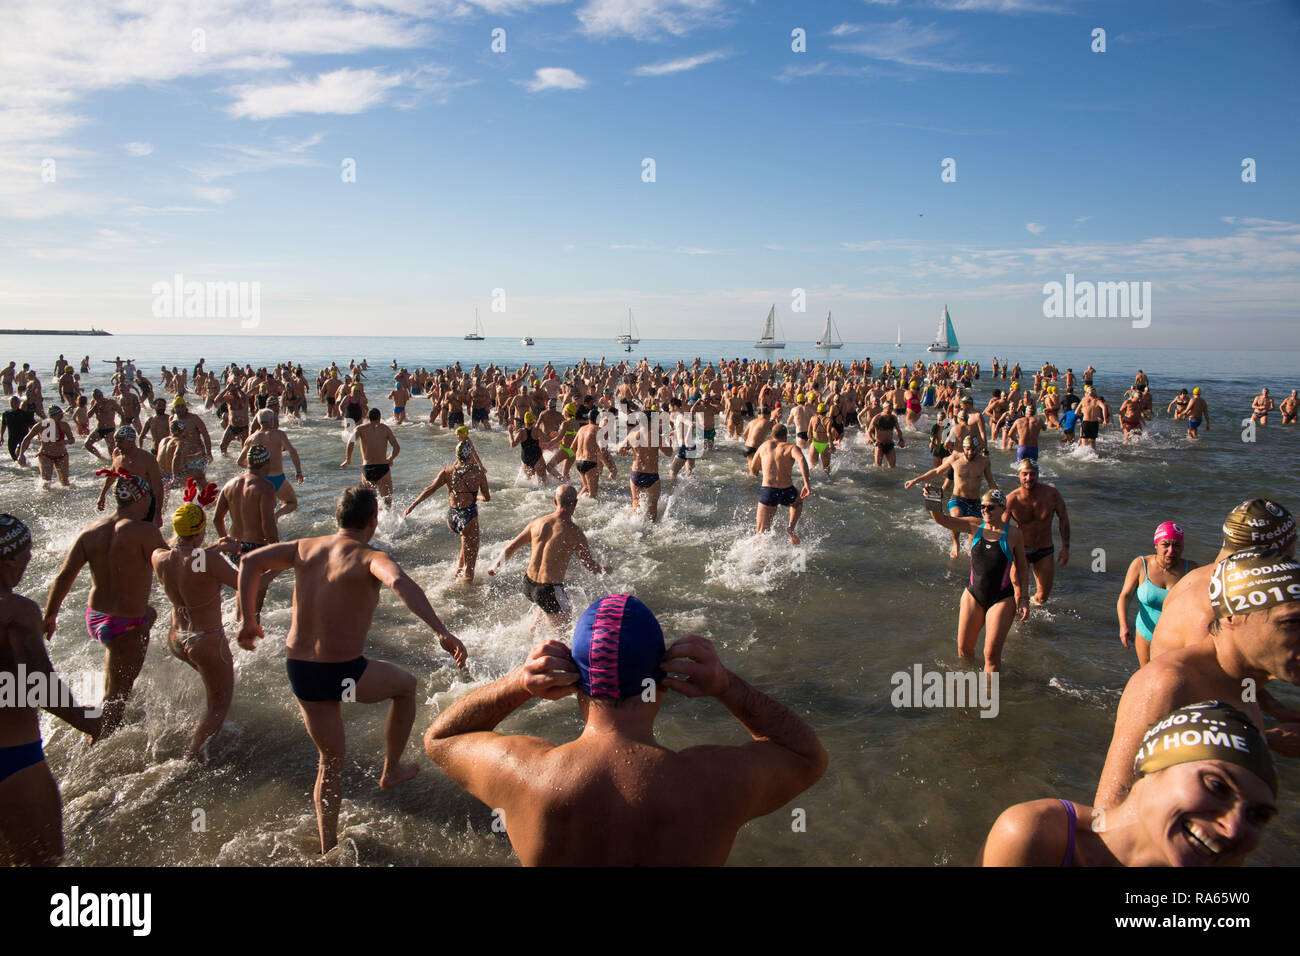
pixel 178 401
pixel 1210 730
pixel 188 520
pixel 570 409
pixel 1250 581
pixel 462 431
pixel 821 408
pixel 529 418
pixel 1259 525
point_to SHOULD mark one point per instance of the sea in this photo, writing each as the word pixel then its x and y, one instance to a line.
pixel 826 629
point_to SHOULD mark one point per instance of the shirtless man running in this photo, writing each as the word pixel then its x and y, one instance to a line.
pixel 1289 408
pixel 118 549
pixel 249 501
pixel 776 459
pixel 969 469
pixel 335 593
pixel 645 450
pixel 589 454
pixel 655 806
pixel 268 433
pixel 1260 407
pixel 1033 505
pixel 376 463
pixel 554 540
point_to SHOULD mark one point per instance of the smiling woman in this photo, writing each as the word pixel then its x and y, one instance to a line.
pixel 1205 789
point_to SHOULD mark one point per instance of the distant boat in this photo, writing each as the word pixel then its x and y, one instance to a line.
pixel 900 338
pixel 477 334
pixel 631 336
pixel 526 340
pixel 945 338
pixel 828 339
pixel 768 341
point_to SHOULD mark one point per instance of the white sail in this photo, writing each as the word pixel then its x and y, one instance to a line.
pixel 477 334
pixel 828 340
pixel 945 337
pixel 631 336
pixel 768 341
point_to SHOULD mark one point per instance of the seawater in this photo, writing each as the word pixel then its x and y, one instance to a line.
pixel 875 593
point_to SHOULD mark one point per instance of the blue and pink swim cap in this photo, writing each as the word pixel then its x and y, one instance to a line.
pixel 617 644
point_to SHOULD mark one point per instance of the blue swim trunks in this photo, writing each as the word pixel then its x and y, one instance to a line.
pixel 970 507
pixel 276 480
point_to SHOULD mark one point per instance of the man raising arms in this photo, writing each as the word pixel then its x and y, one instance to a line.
pixel 615 796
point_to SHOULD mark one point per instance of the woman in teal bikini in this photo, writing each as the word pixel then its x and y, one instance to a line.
pixel 1151 577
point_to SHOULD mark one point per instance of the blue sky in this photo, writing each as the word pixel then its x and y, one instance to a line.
pixel 774 169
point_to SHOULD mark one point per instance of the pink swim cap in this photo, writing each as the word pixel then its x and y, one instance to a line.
pixel 1168 530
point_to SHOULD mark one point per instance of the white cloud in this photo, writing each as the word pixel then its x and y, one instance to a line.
pixel 1083 219
pixel 342 91
pixel 649 19
pixel 214 193
pixel 1035 228
pixel 923 47
pixel 555 78
pixel 138 149
pixel 679 66
pixel 845 29
pixel 238 159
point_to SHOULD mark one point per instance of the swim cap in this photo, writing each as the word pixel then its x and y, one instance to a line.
pixel 1250 581
pixel 464 450
pixel 265 417
pixel 968 442
pixel 14 536
pixel 617 644
pixel 258 456
pixel 1028 464
pixel 1259 524
pixel 913 384
pixel 189 519
pixel 1017 385
pixel 462 431
pixel 1169 530
pixel 529 418
pixel 1209 730
pixel 55 410
pixel 130 488
pixel 178 401
pixel 994 497
pixel 125 433
pixel 821 408
pixel 1196 390
pixel 570 409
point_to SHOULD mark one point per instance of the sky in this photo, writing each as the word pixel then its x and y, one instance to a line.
pixel 388 166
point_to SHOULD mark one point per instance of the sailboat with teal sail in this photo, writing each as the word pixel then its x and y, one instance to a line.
pixel 945 339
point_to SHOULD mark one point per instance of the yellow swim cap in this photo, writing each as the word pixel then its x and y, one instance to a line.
pixel 179 401
pixel 462 431
pixel 1196 390
pixel 913 384
pixel 799 397
pixel 821 408
pixel 529 418
pixel 189 519
pixel 570 409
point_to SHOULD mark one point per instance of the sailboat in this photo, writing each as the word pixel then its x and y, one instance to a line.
pixel 828 340
pixel 477 334
pixel 768 341
pixel 631 336
pixel 945 338
pixel 899 345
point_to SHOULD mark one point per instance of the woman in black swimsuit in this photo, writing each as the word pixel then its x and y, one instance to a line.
pixel 998 575
pixel 530 448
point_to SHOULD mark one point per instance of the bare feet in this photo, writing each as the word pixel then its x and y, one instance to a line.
pixel 395 777
pixel 794 538
pixel 955 551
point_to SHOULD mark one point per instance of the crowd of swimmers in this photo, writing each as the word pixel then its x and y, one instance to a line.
pixel 1188 779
